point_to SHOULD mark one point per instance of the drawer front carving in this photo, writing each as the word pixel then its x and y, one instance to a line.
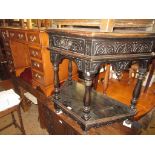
pixel 104 47
pixel 36 53
pixel 37 65
pixel 33 38
pixel 37 76
pixel 68 43
pixel 21 36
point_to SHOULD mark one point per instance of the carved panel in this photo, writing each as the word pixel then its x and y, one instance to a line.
pixel 79 64
pixel 87 66
pixel 68 43
pixel 94 67
pixel 102 47
pixel 121 65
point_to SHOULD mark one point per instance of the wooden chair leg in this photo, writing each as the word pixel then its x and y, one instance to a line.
pixel 20 120
pixel 14 120
pixel 106 78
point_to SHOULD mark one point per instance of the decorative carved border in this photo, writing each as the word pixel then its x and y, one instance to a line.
pixel 103 47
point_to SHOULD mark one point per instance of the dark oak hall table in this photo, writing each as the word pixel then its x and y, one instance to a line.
pixel 90 49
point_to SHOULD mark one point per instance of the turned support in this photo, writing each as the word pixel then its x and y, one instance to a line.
pixel 137 89
pixel 70 72
pixel 87 98
pixel 56 85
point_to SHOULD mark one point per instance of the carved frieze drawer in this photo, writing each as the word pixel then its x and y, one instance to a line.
pixel 68 43
pixel 121 46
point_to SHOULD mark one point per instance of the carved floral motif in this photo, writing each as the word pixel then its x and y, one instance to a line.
pixel 68 43
pixel 121 47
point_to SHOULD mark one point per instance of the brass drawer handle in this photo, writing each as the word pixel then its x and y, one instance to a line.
pixel 37 76
pixel 12 34
pixel 33 38
pixel 60 121
pixel 20 36
pixel 3 34
pixel 6 44
pixel 36 64
pixel 10 62
pixel 8 53
pixel 34 53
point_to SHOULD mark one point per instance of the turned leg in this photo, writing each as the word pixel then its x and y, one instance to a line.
pixel 56 85
pixel 137 89
pixel 70 72
pixel 87 98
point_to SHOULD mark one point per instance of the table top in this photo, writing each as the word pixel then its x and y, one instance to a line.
pixel 97 33
pixel 92 45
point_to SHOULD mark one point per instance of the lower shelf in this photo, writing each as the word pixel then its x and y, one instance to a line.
pixel 103 108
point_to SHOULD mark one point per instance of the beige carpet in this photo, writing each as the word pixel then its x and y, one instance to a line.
pixel 30 121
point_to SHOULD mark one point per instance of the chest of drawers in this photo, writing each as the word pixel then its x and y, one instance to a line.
pixel 28 48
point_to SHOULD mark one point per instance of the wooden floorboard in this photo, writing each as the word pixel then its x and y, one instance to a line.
pixel 122 91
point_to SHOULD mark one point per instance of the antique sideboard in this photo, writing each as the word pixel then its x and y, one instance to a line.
pixel 89 49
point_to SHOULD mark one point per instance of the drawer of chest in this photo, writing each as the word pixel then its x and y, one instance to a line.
pixel 12 34
pixel 33 37
pixel 36 53
pixel 37 65
pixel 37 76
pixel 21 36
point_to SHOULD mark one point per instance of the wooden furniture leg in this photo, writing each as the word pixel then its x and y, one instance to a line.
pixel 56 84
pixel 150 76
pixel 106 78
pixel 137 89
pixel 13 119
pixel 87 98
pixel 70 72
pixel 20 120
